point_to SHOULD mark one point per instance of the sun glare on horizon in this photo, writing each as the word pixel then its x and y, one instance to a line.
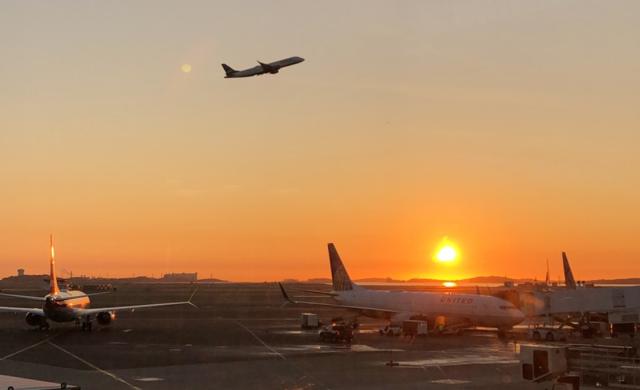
pixel 446 252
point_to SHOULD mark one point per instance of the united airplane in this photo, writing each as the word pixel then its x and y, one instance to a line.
pixel 455 311
pixel 62 305
pixel 261 68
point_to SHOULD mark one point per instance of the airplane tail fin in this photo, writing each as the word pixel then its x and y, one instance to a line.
pixel 339 275
pixel 227 69
pixel 569 281
pixel 547 279
pixel 53 281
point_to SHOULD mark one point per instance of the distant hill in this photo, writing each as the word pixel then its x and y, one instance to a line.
pixel 487 279
pixel 378 280
pixel 319 280
pixel 616 281
pixel 212 280
pixel 41 281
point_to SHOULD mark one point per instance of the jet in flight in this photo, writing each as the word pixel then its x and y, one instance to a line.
pixel 262 68
pixel 62 305
pixel 455 311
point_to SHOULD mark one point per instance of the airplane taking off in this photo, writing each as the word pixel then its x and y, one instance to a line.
pixel 62 305
pixel 262 68
pixel 455 310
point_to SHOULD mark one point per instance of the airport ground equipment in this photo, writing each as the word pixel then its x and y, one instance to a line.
pixel 309 321
pixel 595 365
pixel 547 333
pixel 624 323
pixel 414 328
pixel 337 332
pixel 390 330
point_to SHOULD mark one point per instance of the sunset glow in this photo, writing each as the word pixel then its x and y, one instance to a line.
pixel 447 252
pixel 513 130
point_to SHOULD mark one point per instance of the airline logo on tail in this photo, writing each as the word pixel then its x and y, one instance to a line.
pixel 339 275
pixel 569 281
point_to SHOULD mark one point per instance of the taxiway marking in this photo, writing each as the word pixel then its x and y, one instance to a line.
pixel 100 370
pixel 255 336
pixel 9 356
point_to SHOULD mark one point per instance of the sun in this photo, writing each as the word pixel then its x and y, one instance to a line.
pixel 446 252
pixel 185 68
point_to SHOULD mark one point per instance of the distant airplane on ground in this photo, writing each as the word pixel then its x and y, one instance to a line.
pixel 448 309
pixel 71 305
pixel 273 68
pixel 578 302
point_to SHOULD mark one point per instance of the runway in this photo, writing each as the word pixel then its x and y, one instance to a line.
pixel 243 337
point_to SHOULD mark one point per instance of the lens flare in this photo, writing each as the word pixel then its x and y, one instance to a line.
pixel 447 252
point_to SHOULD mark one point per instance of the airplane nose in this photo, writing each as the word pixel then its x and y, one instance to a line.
pixel 518 316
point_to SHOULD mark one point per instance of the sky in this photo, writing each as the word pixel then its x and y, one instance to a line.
pixel 510 127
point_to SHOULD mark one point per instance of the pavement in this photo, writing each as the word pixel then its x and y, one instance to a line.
pixel 242 336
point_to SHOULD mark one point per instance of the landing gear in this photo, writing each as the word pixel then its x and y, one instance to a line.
pixel 86 325
pixel 44 325
pixel 503 333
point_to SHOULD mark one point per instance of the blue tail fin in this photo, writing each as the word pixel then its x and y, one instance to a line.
pixel 569 281
pixel 339 275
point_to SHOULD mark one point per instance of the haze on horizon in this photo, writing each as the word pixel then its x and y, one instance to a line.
pixel 509 127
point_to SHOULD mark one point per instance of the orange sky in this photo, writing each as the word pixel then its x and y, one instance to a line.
pixel 510 128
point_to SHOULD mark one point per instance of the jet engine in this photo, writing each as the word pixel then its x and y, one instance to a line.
pixel 105 317
pixel 34 319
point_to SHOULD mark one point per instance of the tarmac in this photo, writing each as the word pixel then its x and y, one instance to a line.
pixel 243 336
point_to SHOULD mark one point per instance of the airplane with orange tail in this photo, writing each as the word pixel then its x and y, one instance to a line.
pixel 62 305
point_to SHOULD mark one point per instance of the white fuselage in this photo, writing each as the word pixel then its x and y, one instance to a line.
pixel 474 310
pixel 63 306
pixel 581 300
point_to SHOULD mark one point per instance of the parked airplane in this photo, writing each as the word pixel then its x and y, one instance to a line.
pixel 448 309
pixel 578 303
pixel 62 305
pixel 262 68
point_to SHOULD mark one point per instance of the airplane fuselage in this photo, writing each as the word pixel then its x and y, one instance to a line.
pixel 63 306
pixel 262 68
pixel 474 310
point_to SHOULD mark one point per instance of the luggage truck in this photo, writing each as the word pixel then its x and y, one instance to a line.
pixel 339 331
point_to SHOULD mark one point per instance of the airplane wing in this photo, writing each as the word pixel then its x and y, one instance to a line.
pixel 268 67
pixel 329 293
pixel 131 307
pixel 30 297
pixel 371 311
pixel 39 312
pixel 82 312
